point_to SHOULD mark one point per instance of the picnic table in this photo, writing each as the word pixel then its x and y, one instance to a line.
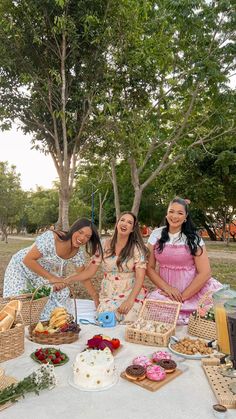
pixel 188 396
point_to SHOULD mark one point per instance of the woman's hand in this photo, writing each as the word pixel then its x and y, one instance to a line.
pixel 126 306
pixel 58 283
pixel 173 293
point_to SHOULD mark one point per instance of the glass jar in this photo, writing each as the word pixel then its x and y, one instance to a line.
pixel 230 308
pixel 220 297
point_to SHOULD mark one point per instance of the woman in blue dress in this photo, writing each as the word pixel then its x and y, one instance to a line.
pixel 45 262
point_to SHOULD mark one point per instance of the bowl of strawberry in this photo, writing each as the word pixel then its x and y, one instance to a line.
pixel 101 342
pixel 50 355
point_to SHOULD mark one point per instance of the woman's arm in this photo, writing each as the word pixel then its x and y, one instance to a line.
pixel 87 273
pixel 128 304
pixel 91 290
pixel 31 261
pixel 203 274
pixel 171 292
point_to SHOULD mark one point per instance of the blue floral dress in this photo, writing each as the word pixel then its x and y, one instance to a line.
pixel 18 277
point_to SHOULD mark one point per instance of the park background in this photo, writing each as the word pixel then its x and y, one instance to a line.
pixel 134 102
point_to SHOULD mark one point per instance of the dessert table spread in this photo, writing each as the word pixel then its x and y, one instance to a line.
pixel 188 396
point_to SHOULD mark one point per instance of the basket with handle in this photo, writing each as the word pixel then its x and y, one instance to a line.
pixel 154 312
pixel 57 338
pixel 35 307
pixel 12 341
pixel 198 326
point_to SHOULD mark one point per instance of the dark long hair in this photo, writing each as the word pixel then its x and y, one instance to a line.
pixel 93 245
pixel 187 228
pixel 135 239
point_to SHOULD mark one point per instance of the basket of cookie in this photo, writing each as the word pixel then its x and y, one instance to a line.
pixel 155 325
pixel 202 320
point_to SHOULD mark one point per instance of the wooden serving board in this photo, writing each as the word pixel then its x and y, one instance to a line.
pixel 153 385
pixel 5 382
pixel 220 386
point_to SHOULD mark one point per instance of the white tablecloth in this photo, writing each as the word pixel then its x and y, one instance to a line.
pixel 189 396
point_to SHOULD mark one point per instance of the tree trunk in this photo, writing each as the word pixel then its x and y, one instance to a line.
pixel 211 234
pixel 115 189
pixel 100 214
pixel 137 201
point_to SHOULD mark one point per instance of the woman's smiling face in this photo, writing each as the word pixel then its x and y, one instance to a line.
pixel 176 215
pixel 125 224
pixel 81 237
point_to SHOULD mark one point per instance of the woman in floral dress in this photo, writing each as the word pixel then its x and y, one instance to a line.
pixel 45 262
pixel 178 263
pixel 124 266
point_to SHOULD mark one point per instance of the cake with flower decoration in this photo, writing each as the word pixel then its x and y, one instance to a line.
pixel 94 369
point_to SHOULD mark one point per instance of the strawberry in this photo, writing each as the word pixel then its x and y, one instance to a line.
pixel 58 354
pixel 56 361
pixel 41 357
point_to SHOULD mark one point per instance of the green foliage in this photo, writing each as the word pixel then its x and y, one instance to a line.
pixel 41 210
pixel 12 198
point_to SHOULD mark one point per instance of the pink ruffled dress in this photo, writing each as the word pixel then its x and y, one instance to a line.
pixel 176 266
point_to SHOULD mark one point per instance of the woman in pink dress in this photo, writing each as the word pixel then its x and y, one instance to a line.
pixel 124 267
pixel 178 263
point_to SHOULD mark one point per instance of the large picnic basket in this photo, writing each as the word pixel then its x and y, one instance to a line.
pixel 198 326
pixel 59 338
pixel 12 342
pixel 30 307
pixel 156 312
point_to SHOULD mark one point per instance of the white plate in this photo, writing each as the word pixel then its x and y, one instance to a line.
pixel 71 382
pixel 180 354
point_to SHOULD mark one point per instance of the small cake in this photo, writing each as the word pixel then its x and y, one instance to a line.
pixel 94 369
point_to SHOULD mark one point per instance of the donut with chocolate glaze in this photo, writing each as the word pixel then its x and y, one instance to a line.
pixel 168 364
pixel 135 372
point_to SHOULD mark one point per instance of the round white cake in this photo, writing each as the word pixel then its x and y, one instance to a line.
pixel 94 369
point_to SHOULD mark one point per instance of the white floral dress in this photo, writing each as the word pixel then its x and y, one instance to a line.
pixel 18 277
pixel 117 285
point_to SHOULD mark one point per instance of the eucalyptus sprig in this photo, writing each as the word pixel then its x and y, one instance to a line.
pixel 43 378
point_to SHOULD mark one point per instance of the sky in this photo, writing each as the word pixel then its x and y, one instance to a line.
pixel 34 167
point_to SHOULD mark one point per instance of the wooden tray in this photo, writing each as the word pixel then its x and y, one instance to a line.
pixel 153 385
pixel 220 386
pixel 5 382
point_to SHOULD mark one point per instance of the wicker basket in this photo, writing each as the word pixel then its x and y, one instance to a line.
pixel 12 342
pixel 202 328
pixel 158 311
pixel 27 302
pixel 55 338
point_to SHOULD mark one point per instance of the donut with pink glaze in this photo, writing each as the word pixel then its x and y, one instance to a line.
pixel 142 360
pixel 155 373
pixel 157 356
